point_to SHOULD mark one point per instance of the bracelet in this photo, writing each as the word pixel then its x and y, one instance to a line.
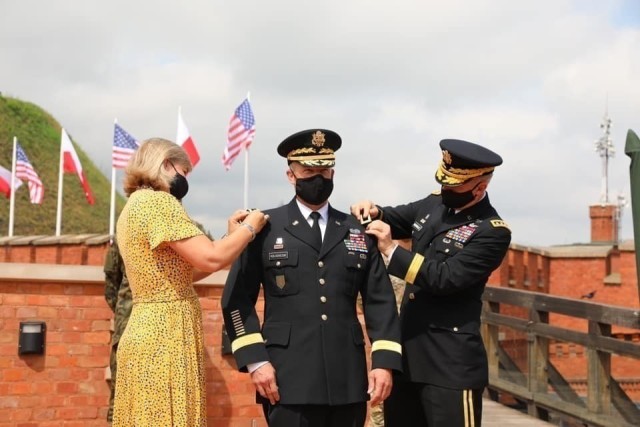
pixel 251 229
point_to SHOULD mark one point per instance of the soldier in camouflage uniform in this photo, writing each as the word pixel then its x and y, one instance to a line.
pixel 118 296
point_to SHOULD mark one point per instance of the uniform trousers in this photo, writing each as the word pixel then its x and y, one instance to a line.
pixel 352 415
pixel 427 405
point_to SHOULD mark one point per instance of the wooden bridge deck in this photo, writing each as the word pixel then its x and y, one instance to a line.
pixel 495 414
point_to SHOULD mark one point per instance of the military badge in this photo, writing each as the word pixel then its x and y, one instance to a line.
pixel 446 157
pixel 318 139
pixel 416 226
pixel 356 242
pixel 499 223
pixel 279 243
pixel 365 221
pixel 280 281
pixel 461 234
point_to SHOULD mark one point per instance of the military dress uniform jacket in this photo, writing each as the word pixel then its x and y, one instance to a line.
pixel 446 273
pixel 311 333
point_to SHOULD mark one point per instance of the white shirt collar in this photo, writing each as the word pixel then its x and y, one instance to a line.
pixel 306 211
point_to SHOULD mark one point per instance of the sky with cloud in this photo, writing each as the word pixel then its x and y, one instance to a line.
pixel 530 80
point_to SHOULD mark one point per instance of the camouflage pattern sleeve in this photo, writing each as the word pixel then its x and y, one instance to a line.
pixel 113 272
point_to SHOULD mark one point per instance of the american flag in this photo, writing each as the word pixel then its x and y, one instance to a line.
pixel 124 145
pixel 242 128
pixel 25 171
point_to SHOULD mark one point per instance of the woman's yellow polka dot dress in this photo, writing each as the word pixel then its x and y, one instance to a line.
pixel 160 380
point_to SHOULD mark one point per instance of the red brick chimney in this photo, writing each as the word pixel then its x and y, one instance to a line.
pixel 604 223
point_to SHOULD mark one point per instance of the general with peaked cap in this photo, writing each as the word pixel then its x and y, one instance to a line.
pixel 462 161
pixel 312 147
pixel 457 240
pixel 307 359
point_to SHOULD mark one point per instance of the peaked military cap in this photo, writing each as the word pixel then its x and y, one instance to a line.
pixel 312 147
pixel 463 160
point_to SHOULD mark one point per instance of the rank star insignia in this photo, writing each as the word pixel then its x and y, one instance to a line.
pixel 318 139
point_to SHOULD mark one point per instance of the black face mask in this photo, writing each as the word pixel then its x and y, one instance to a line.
pixel 455 200
pixel 314 190
pixel 179 186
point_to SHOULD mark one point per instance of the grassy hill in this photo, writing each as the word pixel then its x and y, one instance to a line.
pixel 39 135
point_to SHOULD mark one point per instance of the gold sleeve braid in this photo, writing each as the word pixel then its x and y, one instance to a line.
pixel 386 345
pixel 246 340
pixel 414 267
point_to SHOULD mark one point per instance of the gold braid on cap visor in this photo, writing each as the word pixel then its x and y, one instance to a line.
pixel 310 153
pixel 458 176
pixel 308 158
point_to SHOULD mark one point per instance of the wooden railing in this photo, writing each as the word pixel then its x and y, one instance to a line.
pixel 523 369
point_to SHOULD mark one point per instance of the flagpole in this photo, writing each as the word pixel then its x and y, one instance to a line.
pixel 59 210
pixel 246 179
pixel 178 127
pixel 112 207
pixel 12 189
pixel 246 171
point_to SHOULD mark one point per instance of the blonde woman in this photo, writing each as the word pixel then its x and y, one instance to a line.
pixel 161 376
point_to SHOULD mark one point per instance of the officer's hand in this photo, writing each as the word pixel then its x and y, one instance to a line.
pixel 364 209
pixel 264 380
pixel 382 232
pixel 380 384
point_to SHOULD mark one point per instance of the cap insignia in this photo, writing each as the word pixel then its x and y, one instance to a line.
pixel 446 157
pixel 318 139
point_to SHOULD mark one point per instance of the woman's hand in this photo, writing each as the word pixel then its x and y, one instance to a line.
pixel 257 219
pixel 254 220
pixel 235 220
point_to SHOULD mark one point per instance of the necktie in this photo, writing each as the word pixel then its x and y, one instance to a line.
pixel 317 234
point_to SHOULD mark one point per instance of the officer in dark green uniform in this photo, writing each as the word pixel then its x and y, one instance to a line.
pixel 118 296
pixel 308 357
pixel 458 239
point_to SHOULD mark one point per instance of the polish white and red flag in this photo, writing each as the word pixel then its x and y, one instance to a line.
pixel 71 164
pixel 185 140
pixel 24 170
pixel 242 128
pixel 5 182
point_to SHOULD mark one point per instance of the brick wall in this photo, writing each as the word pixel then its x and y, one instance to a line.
pixel 67 386
pixel 59 280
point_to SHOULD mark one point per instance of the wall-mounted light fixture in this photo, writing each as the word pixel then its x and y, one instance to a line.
pixel 32 337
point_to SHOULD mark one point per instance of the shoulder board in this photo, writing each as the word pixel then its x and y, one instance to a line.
pixel 436 192
pixel 499 223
